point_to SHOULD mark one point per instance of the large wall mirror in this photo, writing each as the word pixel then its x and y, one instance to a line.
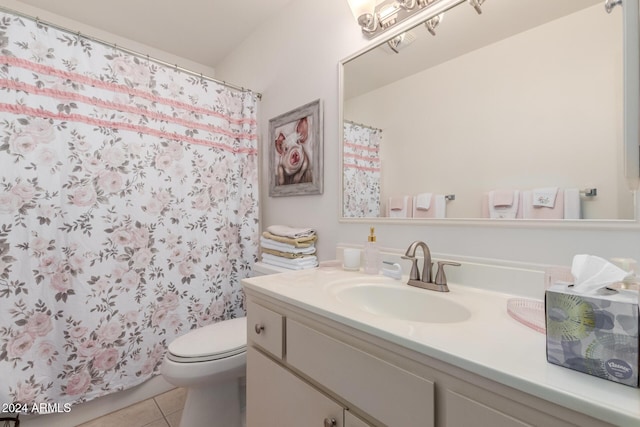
pixel 491 113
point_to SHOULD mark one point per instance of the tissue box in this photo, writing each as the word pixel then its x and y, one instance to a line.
pixel 594 334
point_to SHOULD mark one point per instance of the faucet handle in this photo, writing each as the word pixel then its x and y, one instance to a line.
pixel 441 279
pixel 414 274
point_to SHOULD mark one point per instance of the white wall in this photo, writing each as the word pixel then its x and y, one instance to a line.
pixel 501 117
pixel 293 59
pixel 105 36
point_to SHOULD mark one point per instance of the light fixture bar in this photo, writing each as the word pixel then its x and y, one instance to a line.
pixel 390 13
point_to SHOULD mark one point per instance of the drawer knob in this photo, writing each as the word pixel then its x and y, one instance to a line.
pixel 330 422
pixel 259 328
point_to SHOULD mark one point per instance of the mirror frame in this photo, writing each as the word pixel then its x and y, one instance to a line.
pixel 631 134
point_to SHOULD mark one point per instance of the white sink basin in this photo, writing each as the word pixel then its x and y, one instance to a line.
pixel 401 301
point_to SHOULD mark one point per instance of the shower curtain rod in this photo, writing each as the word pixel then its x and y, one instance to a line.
pixel 362 125
pixel 129 51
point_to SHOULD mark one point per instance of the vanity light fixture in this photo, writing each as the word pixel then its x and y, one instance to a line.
pixel 377 16
pixel 432 23
pixel 610 4
pixel 476 5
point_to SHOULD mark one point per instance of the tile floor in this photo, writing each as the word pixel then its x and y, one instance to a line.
pixel 163 410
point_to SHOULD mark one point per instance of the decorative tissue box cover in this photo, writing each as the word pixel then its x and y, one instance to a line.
pixel 595 334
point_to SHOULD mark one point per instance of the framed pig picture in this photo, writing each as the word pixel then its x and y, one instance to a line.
pixel 296 152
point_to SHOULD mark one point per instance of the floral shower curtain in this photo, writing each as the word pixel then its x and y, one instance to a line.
pixel 128 212
pixel 361 171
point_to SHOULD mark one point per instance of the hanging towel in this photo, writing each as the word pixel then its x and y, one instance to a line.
pixel 438 208
pixel 301 242
pixel 544 197
pixel 285 247
pixel 290 232
pixel 422 201
pixel 397 203
pixel 572 208
pixel 502 211
pixel 503 198
pixel 530 211
pixel 400 207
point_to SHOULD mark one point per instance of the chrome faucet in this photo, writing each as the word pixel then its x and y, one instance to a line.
pixel 440 282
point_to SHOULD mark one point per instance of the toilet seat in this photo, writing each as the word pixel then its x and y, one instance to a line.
pixel 212 342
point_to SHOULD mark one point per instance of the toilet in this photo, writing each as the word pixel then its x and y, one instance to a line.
pixel 210 362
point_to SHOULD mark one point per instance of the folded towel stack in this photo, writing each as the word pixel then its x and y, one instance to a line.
pixel 288 247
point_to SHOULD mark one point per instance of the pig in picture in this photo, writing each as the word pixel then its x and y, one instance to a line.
pixel 293 158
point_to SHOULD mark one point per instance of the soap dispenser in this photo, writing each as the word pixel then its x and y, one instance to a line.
pixel 371 254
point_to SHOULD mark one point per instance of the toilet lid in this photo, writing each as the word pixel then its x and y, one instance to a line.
pixel 211 342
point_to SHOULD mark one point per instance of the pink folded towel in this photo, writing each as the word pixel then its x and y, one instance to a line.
pixel 396 203
pixel 502 198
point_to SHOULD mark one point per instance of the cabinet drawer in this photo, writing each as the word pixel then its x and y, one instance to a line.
pixel 463 412
pixel 265 328
pixel 388 393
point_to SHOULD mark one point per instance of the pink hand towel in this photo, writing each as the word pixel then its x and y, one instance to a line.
pixel 396 203
pixel 502 198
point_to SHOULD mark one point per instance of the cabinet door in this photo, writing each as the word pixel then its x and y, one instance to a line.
pixel 277 398
pixel 351 420
pixel 389 394
pixel 265 329
pixel 464 412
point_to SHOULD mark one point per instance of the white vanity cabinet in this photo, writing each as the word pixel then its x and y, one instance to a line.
pixel 323 370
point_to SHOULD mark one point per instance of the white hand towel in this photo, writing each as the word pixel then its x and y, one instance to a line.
pixel 423 201
pixel 504 212
pixel 440 206
pixel 572 209
pixel 311 259
pixel 291 232
pixel 545 197
pixel 286 263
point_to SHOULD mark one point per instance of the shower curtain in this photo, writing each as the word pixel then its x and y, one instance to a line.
pixel 361 160
pixel 128 212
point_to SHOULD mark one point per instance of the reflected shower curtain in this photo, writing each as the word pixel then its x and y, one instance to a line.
pixel 128 212
pixel 361 160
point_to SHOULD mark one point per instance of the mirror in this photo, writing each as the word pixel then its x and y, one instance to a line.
pixel 525 98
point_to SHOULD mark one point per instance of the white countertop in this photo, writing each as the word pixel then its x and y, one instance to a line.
pixel 490 343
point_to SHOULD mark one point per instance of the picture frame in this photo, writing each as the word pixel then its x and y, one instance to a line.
pixel 296 151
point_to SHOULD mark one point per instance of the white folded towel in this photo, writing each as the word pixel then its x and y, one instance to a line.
pixel 504 212
pixel 285 247
pixel 290 264
pixel 438 208
pixel 572 209
pixel 545 197
pixel 311 259
pixel 423 201
pixel 291 232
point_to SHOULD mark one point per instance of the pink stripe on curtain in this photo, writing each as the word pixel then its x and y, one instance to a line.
pixel 71 96
pixel 116 88
pixel 374 149
pixel 128 212
pixel 362 168
pixel 37 112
